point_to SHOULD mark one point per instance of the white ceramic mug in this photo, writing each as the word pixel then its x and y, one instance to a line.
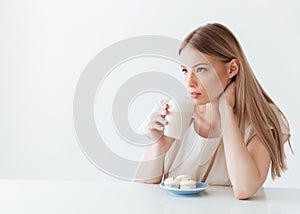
pixel 179 117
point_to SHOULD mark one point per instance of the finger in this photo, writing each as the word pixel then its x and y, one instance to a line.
pixel 164 112
pixel 154 116
pixel 231 86
pixel 158 116
pixel 165 107
pixel 155 126
pixel 164 102
pixel 161 120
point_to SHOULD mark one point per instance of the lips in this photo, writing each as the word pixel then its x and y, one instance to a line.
pixel 195 94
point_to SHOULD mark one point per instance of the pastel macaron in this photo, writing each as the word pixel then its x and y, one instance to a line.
pixel 187 184
pixel 172 182
pixel 183 177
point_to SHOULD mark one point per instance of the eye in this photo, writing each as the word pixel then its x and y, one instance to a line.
pixel 200 70
pixel 184 70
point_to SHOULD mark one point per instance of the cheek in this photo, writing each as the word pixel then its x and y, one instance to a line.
pixel 213 85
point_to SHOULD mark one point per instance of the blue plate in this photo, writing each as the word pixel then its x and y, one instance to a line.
pixel 200 187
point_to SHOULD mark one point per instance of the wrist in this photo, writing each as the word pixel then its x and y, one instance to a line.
pixel 226 111
pixel 230 114
pixel 229 107
pixel 163 144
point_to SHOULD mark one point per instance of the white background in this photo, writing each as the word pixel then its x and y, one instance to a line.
pixel 45 45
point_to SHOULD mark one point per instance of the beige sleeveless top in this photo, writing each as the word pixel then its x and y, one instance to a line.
pixel 204 158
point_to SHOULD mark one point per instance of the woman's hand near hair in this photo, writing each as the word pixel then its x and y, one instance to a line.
pixel 247 165
pixel 227 102
pixel 228 96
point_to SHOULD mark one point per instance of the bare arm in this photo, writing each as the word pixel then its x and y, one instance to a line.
pixel 151 167
pixel 247 166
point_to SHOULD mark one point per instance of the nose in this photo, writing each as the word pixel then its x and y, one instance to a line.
pixel 191 80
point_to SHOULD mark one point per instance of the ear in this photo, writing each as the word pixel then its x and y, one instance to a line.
pixel 233 68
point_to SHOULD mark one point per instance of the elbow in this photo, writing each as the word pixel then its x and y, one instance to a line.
pixel 246 190
pixel 243 194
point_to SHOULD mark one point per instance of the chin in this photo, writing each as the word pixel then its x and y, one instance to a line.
pixel 201 102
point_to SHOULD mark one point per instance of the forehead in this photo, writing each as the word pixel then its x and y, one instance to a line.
pixel 189 57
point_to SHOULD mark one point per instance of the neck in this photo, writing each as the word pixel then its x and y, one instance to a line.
pixel 208 119
pixel 212 108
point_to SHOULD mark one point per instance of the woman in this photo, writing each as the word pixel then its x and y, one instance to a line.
pixel 237 132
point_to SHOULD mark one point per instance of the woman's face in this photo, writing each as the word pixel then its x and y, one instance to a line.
pixel 205 77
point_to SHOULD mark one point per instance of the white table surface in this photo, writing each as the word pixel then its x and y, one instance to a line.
pixel 42 196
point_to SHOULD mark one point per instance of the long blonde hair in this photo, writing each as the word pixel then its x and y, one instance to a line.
pixel 252 102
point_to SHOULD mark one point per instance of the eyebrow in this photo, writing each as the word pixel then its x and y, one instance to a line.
pixel 201 63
